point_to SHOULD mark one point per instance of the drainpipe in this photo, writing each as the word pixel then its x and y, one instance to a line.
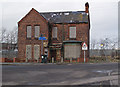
pixel 49 39
pixel 62 41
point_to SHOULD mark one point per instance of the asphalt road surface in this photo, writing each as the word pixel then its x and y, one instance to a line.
pixel 59 74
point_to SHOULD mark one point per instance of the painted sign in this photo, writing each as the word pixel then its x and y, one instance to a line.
pixel 84 46
pixel 42 38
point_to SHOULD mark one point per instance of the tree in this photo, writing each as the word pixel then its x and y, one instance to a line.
pixel 9 36
pixel 14 36
pixel 108 46
pixel 93 44
pixel 3 33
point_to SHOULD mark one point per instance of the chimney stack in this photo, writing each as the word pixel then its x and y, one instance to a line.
pixel 87 7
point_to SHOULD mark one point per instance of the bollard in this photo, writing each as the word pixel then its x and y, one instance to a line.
pixel 37 60
pixel 52 59
pixel 26 60
pixel 61 59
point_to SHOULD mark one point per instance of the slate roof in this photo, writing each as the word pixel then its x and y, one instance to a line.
pixel 66 17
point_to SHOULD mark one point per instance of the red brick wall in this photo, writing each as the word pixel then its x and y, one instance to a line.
pixel 81 60
pixel 32 18
pixel 82 34
pixel 2 60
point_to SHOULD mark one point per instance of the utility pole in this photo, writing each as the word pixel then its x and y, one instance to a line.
pixel 42 38
pixel 62 40
pixel 41 45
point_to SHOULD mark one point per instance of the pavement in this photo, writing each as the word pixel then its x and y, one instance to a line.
pixel 113 80
pixel 59 74
pixel 59 63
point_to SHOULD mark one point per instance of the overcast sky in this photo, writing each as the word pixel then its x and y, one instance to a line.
pixel 103 13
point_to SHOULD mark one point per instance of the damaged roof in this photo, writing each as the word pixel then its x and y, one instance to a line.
pixel 66 17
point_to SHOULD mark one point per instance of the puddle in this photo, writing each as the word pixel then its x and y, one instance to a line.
pixel 103 71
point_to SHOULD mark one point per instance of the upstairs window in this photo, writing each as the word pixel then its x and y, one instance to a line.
pixel 37 31
pixel 28 31
pixel 54 32
pixel 72 32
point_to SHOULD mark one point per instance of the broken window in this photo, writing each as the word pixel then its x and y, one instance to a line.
pixel 37 31
pixel 28 52
pixel 72 32
pixel 28 31
pixel 36 52
pixel 54 32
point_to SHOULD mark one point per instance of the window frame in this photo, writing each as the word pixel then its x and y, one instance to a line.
pixel 70 33
pixel 28 52
pixel 27 32
pixel 38 46
pixel 56 34
pixel 34 32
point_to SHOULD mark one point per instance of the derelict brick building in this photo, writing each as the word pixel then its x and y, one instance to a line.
pixel 65 32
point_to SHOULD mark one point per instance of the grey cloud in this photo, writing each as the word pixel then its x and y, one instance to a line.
pixel 103 15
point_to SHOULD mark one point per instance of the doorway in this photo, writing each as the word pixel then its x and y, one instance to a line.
pixel 53 54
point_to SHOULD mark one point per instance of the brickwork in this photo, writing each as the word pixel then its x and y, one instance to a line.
pixel 32 18
pixel 82 34
pixel 35 18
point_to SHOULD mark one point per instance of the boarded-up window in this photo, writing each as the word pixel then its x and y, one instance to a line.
pixel 28 31
pixel 37 31
pixel 72 32
pixel 54 32
pixel 28 51
pixel 72 51
pixel 36 52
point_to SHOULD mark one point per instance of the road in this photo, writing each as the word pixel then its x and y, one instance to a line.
pixel 58 74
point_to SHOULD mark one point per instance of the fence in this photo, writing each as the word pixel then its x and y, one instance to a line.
pixel 95 56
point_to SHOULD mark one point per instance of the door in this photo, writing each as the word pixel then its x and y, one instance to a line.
pixel 53 54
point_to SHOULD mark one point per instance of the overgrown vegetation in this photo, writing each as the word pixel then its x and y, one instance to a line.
pixel 105 59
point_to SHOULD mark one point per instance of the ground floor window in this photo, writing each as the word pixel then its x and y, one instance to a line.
pixel 36 52
pixel 72 50
pixel 28 52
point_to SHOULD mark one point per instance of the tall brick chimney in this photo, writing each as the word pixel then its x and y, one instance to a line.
pixel 87 7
